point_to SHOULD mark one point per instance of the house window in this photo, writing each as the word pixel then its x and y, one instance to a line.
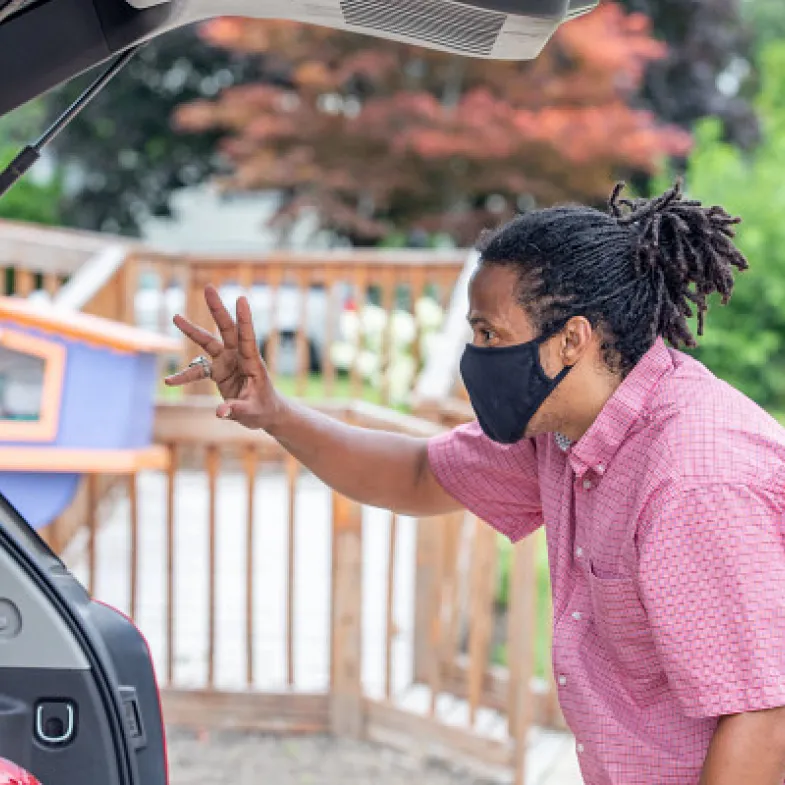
pixel 31 381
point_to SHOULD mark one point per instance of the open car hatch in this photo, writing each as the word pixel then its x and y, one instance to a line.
pixel 78 697
pixel 46 42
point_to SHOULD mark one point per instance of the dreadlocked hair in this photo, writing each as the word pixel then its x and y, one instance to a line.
pixel 638 271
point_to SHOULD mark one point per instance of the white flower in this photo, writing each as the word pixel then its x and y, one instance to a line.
pixel 368 365
pixel 349 326
pixel 374 320
pixel 342 354
pixel 404 328
pixel 429 313
pixel 429 344
pixel 400 376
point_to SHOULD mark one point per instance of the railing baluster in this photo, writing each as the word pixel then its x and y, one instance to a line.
pixel 273 341
pixel 452 586
pixel 520 650
pixel 301 334
pixel 361 289
pixel 417 283
pixel 213 465
pixel 171 476
pixel 390 627
pixel 292 471
pixel 130 279
pixel 435 622
pixel 346 705
pixel 329 334
pixel 251 460
pixel 388 303
pixel 25 282
pixel 480 611
pixel 51 284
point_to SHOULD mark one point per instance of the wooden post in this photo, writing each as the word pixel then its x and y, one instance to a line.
pixel 483 579
pixel 426 576
pixel 212 460
pixel 346 705
pixel 171 511
pixel 251 463
pixel 520 649
pixel 292 470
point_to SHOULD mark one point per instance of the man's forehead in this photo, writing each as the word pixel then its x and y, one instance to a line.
pixel 492 290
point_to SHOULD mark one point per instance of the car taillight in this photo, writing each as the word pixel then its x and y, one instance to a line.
pixel 11 774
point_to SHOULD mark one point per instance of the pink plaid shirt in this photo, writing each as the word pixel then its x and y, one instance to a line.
pixel 665 541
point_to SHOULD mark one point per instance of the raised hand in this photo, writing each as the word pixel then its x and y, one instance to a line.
pixel 235 364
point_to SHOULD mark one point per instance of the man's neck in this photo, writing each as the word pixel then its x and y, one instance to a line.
pixel 587 397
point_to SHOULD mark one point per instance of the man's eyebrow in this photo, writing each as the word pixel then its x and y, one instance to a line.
pixel 475 320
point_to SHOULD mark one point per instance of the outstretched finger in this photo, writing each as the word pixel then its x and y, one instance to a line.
pixel 199 336
pixel 250 359
pixel 186 376
pixel 222 318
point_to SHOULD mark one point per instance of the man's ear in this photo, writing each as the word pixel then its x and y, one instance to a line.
pixel 576 339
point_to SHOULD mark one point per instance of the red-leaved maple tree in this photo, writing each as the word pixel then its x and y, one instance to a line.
pixel 377 136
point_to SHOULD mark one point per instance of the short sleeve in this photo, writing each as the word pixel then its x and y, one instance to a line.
pixel 712 580
pixel 496 482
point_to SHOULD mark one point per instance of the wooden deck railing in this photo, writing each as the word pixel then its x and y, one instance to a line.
pixel 34 258
pixel 411 604
pixel 298 299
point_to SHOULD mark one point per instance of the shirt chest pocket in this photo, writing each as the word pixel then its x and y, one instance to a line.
pixel 623 627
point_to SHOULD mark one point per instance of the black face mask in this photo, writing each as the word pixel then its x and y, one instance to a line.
pixel 506 386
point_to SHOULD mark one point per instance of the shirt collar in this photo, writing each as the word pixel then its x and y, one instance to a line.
pixel 626 407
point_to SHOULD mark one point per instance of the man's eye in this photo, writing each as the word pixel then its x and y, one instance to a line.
pixel 488 335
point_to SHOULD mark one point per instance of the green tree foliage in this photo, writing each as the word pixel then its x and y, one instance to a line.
pixel 706 39
pixel 745 341
pixel 127 157
pixel 30 199
pixel 766 18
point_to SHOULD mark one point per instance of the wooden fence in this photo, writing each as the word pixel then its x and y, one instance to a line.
pixel 301 296
pixel 391 280
pixel 34 258
pixel 415 672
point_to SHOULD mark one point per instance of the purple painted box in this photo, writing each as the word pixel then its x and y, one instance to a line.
pixel 77 395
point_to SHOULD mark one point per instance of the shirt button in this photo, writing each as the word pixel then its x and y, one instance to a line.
pixel 563 681
pixel 600 468
pixel 580 748
pixel 577 615
pixel 587 484
pixel 579 551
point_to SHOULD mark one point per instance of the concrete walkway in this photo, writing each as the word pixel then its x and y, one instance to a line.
pixel 552 758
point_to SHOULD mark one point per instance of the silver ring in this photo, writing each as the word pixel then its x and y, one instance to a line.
pixel 204 364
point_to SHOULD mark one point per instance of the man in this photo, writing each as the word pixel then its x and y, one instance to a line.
pixel 661 488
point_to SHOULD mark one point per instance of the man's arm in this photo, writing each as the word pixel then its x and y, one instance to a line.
pixel 372 467
pixel 747 748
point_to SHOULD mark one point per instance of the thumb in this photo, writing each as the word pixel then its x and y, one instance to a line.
pixel 244 412
pixel 231 410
